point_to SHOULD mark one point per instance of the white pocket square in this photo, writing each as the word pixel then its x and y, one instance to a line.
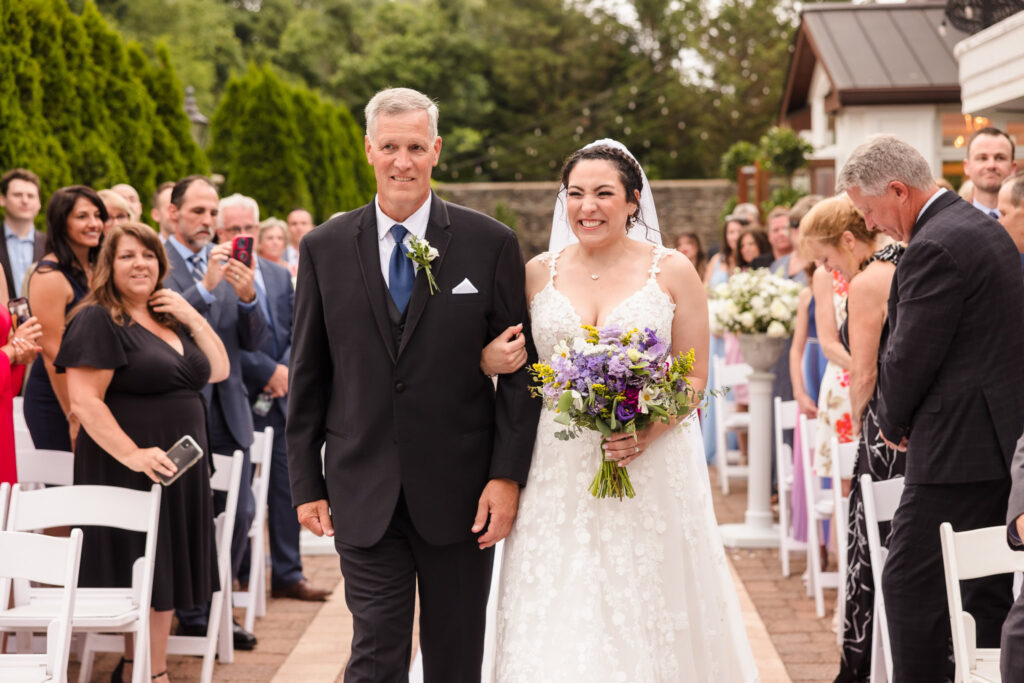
pixel 464 287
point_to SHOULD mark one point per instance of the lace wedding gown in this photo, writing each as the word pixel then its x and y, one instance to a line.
pixel 606 590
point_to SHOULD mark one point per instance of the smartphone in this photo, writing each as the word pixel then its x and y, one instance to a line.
pixel 20 312
pixel 241 249
pixel 183 454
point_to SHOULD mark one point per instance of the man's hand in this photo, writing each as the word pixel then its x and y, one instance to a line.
pixel 500 500
pixel 277 385
pixel 1020 528
pixel 504 355
pixel 902 446
pixel 315 516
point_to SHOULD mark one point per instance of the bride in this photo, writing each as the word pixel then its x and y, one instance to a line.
pixel 601 590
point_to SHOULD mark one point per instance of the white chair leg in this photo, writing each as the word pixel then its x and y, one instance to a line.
pixel 86 659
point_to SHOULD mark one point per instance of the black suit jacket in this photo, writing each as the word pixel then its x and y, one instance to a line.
pixel 39 250
pixel 259 365
pixel 239 328
pixel 951 377
pixel 422 419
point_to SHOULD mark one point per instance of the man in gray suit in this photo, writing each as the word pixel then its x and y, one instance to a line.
pixel 1011 645
pixel 223 290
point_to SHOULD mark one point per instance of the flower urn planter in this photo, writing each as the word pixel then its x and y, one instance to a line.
pixel 760 351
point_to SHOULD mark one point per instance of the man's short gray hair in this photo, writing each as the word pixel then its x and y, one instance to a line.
pixel 879 161
pixel 1017 191
pixel 398 101
pixel 270 224
pixel 237 200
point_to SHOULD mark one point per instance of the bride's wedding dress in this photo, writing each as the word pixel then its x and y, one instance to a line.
pixel 596 590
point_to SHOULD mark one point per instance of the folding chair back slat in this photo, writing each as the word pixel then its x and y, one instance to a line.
pixel 727 376
pixel 110 506
pixel 785 413
pixel 41 466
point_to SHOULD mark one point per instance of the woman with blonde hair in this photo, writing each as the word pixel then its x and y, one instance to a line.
pixel 835 234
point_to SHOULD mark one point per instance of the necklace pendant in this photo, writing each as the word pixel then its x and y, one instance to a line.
pixel 594 276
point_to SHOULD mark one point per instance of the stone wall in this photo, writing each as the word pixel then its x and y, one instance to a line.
pixel 683 205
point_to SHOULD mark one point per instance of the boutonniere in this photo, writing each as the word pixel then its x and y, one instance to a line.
pixel 421 253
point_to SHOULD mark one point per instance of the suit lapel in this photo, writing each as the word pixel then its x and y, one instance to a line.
pixel 368 250
pixel 179 271
pixel 439 237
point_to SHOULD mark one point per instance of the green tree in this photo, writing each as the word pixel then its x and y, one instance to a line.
pixel 782 151
pixel 739 154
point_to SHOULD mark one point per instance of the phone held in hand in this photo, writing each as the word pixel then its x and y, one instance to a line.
pixel 241 249
pixel 263 403
pixel 20 312
pixel 185 453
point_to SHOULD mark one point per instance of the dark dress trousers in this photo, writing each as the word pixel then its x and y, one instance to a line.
pixel 257 368
pixel 1011 646
pixel 413 430
pixel 38 251
pixel 229 417
pixel 950 382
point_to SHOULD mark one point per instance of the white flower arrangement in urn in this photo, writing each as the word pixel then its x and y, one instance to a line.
pixel 755 302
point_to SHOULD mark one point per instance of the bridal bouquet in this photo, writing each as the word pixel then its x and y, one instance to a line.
pixel 614 380
pixel 754 302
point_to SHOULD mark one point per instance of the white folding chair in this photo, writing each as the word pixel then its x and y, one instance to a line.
pixel 785 420
pixel 819 509
pixel 218 641
pixel 728 419
pixel 881 498
pixel 971 555
pixel 5 497
pixel 254 600
pixel 39 466
pixel 19 414
pixel 53 561
pixel 120 610
pixel 844 458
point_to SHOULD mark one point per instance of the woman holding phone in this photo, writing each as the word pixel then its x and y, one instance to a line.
pixel 136 357
pixel 19 348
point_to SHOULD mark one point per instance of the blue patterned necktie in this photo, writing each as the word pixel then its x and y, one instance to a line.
pixel 198 266
pixel 401 272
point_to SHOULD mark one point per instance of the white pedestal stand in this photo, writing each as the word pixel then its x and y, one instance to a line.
pixel 757 531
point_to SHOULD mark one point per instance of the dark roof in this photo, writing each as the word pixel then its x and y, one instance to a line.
pixel 874 54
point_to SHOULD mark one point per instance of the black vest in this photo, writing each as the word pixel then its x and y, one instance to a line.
pixel 397 322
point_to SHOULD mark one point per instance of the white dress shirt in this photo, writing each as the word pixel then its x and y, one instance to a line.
pixel 416 224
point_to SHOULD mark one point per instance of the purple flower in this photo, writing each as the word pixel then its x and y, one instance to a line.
pixel 624 412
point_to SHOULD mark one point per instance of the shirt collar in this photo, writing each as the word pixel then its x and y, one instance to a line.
pixel 928 203
pixel 185 252
pixel 981 207
pixel 8 234
pixel 416 224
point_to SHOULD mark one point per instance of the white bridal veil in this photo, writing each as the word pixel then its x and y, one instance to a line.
pixel 645 230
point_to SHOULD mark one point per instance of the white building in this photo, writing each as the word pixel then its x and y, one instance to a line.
pixel 859 70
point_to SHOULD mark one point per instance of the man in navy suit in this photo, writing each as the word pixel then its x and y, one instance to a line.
pixel 22 244
pixel 265 373
pixel 222 289
pixel 950 392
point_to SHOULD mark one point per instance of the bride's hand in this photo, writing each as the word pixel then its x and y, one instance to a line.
pixel 625 448
pixel 506 354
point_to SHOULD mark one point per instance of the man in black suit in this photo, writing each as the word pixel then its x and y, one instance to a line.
pixel 424 459
pixel 1011 646
pixel 22 245
pixel 950 392
pixel 222 289
pixel 265 373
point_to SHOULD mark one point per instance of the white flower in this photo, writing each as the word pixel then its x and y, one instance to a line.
pixel 561 349
pixel 577 400
pixel 777 329
pixel 780 311
pixel 746 319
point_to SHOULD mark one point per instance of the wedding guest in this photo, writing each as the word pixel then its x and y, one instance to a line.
pixel 132 197
pixel 161 198
pixel 989 161
pixel 118 212
pixel 136 357
pixel 1011 210
pixel 299 222
pixel 950 392
pixel 1011 643
pixel 747 212
pixel 717 272
pixel 22 245
pixel 689 244
pixel 838 238
pixel 272 240
pixel 19 348
pixel 753 243
pixel 74 228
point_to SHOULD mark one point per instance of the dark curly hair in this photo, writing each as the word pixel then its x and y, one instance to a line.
pixel 629 171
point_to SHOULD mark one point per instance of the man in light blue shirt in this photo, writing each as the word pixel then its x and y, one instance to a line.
pixel 990 160
pixel 22 245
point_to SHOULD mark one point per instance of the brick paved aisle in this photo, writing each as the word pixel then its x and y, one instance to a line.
pixel 805 643
pixel 308 642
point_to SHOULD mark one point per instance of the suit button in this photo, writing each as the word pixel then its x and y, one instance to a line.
pixel 399 387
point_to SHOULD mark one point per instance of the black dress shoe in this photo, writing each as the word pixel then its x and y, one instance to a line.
pixel 243 639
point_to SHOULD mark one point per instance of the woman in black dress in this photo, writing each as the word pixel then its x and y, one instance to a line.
pixel 838 238
pixel 136 358
pixel 74 228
